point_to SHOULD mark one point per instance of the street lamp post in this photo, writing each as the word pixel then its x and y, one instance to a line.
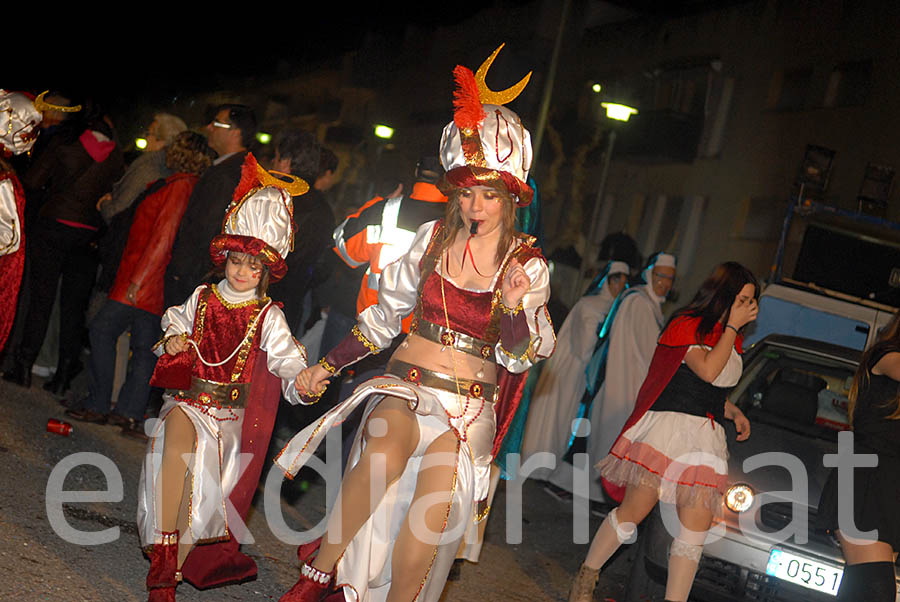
pixel 618 112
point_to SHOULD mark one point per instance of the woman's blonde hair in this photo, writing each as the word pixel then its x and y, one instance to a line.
pixel 888 341
pixel 453 222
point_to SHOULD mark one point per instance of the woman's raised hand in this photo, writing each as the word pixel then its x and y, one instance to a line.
pixel 743 311
pixel 515 284
pixel 312 380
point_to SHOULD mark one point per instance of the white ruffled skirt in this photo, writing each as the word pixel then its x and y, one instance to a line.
pixel 214 471
pixel 683 457
pixel 364 570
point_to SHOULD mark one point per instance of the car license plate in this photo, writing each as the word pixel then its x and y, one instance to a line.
pixel 805 571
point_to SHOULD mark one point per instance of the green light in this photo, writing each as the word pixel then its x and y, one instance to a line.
pixel 141 143
pixel 384 131
pixel 263 137
pixel 596 88
pixel 617 111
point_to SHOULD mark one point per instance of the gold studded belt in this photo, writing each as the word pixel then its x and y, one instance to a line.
pixel 437 380
pixel 220 395
pixel 452 338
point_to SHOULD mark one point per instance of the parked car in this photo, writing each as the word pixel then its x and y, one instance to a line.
pixel 794 392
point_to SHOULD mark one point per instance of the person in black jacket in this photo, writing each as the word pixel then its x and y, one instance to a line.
pixel 297 153
pixel 75 170
pixel 230 132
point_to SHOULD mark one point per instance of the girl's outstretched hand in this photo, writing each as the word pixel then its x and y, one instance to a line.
pixel 312 381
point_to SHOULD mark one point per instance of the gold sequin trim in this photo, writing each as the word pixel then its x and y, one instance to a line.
pixel 200 318
pixel 528 354
pixel 362 339
pixel 324 363
pixel 510 312
pixel 302 349
pixel 247 344
pixel 446 520
pixel 482 514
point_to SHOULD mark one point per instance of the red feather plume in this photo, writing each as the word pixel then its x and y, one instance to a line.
pixel 249 178
pixel 469 113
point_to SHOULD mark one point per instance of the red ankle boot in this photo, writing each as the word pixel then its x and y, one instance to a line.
pixel 312 586
pixel 161 579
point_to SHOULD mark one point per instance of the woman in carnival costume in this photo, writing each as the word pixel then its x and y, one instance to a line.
pixel 225 351
pixel 478 292
pixel 672 448
pixel 19 121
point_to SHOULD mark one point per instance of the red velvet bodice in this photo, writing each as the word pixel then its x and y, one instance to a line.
pixel 468 312
pixel 218 329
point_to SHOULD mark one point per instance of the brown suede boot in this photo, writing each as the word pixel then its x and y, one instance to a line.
pixel 584 584
pixel 161 579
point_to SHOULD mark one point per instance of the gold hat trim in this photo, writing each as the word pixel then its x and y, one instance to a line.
pixel 294 187
pixel 488 96
pixel 42 105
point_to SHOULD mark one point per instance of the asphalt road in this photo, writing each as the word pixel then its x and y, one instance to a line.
pixel 40 564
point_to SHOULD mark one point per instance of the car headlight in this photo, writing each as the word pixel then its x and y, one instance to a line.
pixel 739 497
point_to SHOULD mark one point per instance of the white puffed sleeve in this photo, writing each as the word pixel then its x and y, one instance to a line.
pixel 179 319
pixel 10 227
pixel 542 338
pixel 286 357
pixel 397 293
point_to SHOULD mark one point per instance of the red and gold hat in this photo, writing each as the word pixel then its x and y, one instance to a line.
pixel 486 143
pixel 260 219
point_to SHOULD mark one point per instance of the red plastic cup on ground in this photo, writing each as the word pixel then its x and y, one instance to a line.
pixel 59 427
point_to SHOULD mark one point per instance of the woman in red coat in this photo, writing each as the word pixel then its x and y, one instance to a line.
pixel 136 298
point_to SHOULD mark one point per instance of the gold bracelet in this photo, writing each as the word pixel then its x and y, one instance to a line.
pixel 165 340
pixel 510 312
pixel 324 363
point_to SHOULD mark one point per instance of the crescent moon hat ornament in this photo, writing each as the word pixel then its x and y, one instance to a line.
pixel 295 186
pixel 486 143
pixel 42 105
pixel 488 96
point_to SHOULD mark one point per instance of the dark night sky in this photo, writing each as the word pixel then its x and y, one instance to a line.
pixel 124 62
pixel 160 52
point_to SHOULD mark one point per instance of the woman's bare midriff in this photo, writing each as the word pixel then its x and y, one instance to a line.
pixel 427 354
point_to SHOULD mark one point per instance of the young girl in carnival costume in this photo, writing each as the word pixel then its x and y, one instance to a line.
pixel 477 291
pixel 19 120
pixel 225 350
pixel 672 448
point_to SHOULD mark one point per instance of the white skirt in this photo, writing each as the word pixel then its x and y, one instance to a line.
pixel 364 570
pixel 214 471
pixel 683 457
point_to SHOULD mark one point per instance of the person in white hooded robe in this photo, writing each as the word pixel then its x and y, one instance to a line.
pixel 562 382
pixel 630 330
pixel 634 328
